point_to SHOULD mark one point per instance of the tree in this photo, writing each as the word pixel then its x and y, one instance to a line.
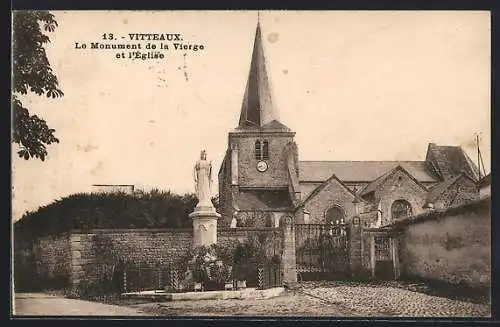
pixel 31 72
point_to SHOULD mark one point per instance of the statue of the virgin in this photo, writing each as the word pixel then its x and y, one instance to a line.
pixel 203 180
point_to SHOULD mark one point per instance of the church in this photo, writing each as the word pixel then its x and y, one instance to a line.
pixel 262 179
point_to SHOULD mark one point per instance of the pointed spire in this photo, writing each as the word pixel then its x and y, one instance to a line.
pixel 257 109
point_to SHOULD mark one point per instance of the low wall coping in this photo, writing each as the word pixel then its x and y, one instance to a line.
pixel 436 214
pixel 133 230
pixel 172 230
pixel 248 229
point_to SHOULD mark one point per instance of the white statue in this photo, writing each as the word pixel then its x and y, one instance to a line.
pixel 234 221
pixel 203 180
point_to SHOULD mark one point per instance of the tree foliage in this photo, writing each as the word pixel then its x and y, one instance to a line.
pixel 153 209
pixel 31 72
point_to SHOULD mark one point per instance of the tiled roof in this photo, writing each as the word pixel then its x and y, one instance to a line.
pixel 361 171
pixel 263 200
pixel 377 182
pixel 438 189
pixel 452 161
pixel 325 183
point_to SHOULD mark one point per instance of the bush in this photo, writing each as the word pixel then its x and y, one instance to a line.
pixel 153 209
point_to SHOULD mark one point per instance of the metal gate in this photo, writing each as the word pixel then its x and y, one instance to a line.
pixel 322 251
pixel 383 260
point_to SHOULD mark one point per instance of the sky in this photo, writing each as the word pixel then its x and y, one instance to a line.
pixel 353 85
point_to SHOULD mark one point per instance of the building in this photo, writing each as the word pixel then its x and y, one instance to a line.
pixel 261 178
pixel 113 188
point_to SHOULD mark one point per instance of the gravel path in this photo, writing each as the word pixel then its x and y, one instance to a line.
pixel 335 300
pixel 395 302
pixel 39 304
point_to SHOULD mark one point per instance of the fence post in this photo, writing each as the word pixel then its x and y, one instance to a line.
pixel 355 250
pixel 125 280
pixel 260 278
pixel 288 256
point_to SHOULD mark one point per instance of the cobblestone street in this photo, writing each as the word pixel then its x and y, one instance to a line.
pixel 322 299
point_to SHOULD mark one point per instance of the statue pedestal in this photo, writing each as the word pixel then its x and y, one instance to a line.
pixel 204 225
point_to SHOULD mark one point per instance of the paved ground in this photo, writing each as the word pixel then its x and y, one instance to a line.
pixel 305 299
pixel 309 299
pixel 38 304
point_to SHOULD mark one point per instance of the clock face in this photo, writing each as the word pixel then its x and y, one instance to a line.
pixel 262 166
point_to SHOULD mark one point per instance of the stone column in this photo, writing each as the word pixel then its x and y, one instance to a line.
pixel 395 256
pixel 288 258
pixel 76 268
pixel 234 164
pixel 372 255
pixel 355 251
pixel 204 225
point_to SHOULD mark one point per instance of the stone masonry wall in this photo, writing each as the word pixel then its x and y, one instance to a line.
pixel 277 173
pixel 332 194
pixel 400 186
pixel 133 246
pixel 149 247
pixel 54 255
pixel 452 245
pixel 43 263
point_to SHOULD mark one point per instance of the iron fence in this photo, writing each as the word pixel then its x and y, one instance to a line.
pixel 149 278
pixel 269 276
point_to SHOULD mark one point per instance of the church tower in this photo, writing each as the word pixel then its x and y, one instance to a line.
pixel 259 174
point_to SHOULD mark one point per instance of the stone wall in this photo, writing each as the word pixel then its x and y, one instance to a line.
pixel 276 174
pixel 400 186
pixel 42 262
pixel 451 245
pixel 150 247
pixel 331 194
pixel 129 246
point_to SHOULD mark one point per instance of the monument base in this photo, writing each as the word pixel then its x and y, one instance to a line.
pixel 204 225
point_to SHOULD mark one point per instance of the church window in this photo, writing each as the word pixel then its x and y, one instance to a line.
pixel 334 215
pixel 400 209
pixel 258 154
pixel 262 150
pixel 265 150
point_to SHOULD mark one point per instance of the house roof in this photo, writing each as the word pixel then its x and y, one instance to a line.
pixel 360 171
pixel 380 180
pixel 265 200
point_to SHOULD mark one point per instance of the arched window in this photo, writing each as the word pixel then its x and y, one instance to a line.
pixel 258 154
pixel 335 215
pixel 265 150
pixel 262 150
pixel 400 209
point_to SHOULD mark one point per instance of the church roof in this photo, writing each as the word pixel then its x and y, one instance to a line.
pixel 437 190
pixel 380 180
pixel 332 178
pixel 257 109
pixel 265 200
pixel 450 161
pixel 360 171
